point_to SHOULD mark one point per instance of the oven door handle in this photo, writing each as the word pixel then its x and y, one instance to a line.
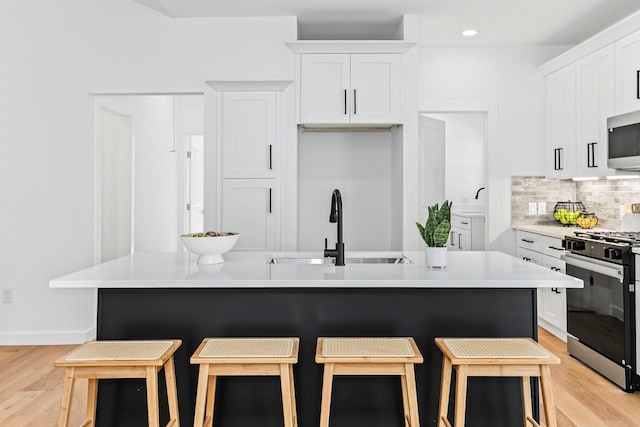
pixel 595 265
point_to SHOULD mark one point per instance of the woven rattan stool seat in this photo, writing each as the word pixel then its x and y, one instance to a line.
pixel 494 357
pixel 248 347
pixel 498 348
pixel 244 357
pixel 367 347
pixel 119 350
pixel 370 356
pixel 99 360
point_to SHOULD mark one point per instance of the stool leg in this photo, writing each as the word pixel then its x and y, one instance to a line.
pixel 172 391
pixel 405 401
pixel 547 396
pixel 67 392
pixel 327 382
pixel 285 386
pixel 461 396
pixel 211 397
pixel 293 397
pixel 445 389
pixel 526 399
pixel 92 401
pixel 412 395
pixel 201 395
pixel 152 396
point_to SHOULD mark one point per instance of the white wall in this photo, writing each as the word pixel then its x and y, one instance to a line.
pixel 54 54
pixel 504 80
pixel 359 165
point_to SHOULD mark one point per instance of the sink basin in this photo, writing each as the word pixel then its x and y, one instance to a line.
pixel 348 260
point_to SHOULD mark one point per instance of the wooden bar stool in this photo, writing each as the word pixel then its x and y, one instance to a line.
pixel 495 357
pixel 370 356
pixel 246 357
pixel 98 360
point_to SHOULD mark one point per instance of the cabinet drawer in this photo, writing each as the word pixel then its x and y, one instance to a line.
pixel 552 246
pixel 553 263
pixel 529 255
pixel 461 222
pixel 530 241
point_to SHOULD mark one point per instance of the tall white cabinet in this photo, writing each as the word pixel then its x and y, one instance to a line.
pixel 628 73
pixel 561 119
pixel 351 88
pixel 249 139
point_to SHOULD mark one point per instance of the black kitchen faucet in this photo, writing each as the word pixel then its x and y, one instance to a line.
pixel 336 217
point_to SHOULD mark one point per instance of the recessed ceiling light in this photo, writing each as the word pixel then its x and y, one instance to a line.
pixel 469 33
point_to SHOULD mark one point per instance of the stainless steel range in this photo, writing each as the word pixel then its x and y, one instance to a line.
pixel 601 316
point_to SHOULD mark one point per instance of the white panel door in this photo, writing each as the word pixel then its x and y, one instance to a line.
pixel 594 104
pixel 628 73
pixel 376 88
pixel 325 89
pixel 249 134
pixel 561 123
pixel 195 184
pixel 249 207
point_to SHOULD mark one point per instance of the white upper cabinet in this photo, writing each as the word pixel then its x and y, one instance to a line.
pixel 249 134
pixel 627 79
pixel 594 103
pixel 351 89
pixel 561 123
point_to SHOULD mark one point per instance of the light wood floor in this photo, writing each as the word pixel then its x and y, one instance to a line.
pixel 30 389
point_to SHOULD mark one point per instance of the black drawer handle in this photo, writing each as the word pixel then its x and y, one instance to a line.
pixel 638 84
pixel 527 241
pixel 270 210
pixel 345 101
pixel 270 157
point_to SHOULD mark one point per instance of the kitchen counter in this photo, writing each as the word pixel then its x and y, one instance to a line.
pixel 557 231
pixel 475 269
pixel 167 295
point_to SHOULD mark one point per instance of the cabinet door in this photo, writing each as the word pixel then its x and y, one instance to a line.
pixel 627 81
pixel 325 88
pixel 594 103
pixel 249 207
pixel 561 123
pixel 376 88
pixel 464 240
pixel 249 134
pixel 554 307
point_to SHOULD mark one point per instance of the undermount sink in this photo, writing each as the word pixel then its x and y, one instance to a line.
pixel 347 260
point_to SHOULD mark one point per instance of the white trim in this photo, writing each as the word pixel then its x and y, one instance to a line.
pixel 605 37
pixel 350 46
pixel 249 84
pixel 48 337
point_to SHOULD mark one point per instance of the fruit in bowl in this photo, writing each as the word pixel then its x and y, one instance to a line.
pixel 210 245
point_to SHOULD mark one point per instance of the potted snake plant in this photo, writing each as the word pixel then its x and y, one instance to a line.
pixel 435 234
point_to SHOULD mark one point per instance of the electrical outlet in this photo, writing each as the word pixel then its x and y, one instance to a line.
pixel 7 295
pixel 542 208
pixel 533 208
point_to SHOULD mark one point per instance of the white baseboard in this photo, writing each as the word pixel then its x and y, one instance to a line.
pixel 47 338
pixel 553 329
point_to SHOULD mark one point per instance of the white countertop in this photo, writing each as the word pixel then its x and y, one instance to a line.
pixel 252 270
pixel 557 231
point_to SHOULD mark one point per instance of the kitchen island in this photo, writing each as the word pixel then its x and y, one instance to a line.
pixel 154 296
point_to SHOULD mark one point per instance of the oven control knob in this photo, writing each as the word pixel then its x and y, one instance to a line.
pixel 612 253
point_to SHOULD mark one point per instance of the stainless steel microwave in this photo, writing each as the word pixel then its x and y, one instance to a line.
pixel 624 141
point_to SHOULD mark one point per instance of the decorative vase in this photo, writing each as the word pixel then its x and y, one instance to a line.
pixel 435 257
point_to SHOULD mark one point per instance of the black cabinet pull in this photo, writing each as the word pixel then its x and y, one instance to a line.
pixel 354 101
pixel 591 155
pixel 557 161
pixel 270 156
pixel 459 244
pixel 270 210
pixel 638 84
pixel 527 241
pixel 345 101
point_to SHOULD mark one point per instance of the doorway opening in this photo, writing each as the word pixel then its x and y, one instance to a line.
pixel 149 172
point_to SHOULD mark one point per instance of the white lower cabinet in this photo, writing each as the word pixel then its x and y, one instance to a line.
pixel 552 302
pixel 467 233
pixel 249 207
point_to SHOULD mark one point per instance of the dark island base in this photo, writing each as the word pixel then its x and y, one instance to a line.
pixel 192 314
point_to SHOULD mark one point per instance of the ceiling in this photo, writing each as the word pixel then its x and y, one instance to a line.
pixel 499 22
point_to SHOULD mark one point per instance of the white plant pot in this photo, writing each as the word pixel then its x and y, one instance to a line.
pixel 435 257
